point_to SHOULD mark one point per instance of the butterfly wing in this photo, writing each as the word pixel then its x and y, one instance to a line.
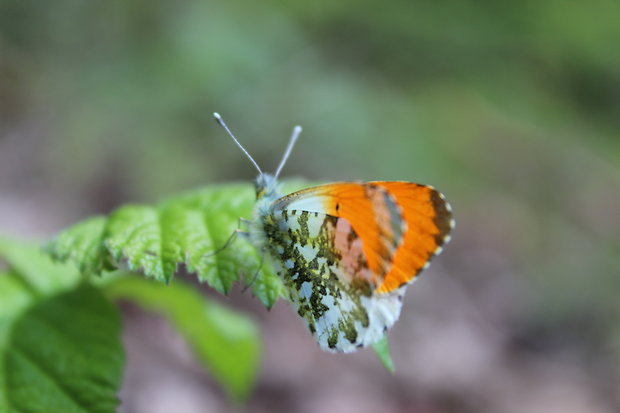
pixel 339 309
pixel 402 225
pixel 340 252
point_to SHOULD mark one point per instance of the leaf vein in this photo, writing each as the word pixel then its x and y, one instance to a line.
pixel 56 381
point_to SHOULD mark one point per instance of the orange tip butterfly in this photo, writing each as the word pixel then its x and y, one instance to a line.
pixel 347 251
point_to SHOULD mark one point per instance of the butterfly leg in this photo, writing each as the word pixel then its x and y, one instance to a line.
pixel 231 239
pixel 255 276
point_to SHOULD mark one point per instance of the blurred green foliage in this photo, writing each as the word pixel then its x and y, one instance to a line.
pixel 127 88
pixel 225 342
pixel 510 108
pixel 60 344
pixel 65 354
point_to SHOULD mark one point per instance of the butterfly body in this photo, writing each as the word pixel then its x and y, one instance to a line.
pixel 335 247
pixel 347 251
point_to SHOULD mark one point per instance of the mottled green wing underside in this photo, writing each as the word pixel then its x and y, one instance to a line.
pixel 327 280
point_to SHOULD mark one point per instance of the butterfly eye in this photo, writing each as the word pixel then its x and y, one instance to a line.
pixel 260 192
pixel 260 186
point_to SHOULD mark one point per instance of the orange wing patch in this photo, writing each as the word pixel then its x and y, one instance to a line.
pixel 429 220
pixel 402 225
pixel 426 218
pixel 368 209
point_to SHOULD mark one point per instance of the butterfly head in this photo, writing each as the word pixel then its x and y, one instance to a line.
pixel 266 184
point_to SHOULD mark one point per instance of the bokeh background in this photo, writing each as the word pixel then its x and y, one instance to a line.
pixel 512 109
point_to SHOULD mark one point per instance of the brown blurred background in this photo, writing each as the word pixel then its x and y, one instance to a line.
pixel 511 109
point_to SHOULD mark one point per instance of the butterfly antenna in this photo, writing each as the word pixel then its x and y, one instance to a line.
pixel 296 131
pixel 219 120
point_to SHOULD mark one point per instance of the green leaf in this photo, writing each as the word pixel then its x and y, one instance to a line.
pixel 83 246
pixel 28 277
pixel 65 355
pixel 14 299
pixel 382 350
pixel 186 230
pixel 226 342
pixel 36 272
pixel 59 350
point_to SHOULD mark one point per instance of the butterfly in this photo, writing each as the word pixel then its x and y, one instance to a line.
pixel 347 251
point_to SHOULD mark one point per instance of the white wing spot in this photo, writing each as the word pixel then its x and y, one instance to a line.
pixel 313 229
pixel 283 225
pixel 308 252
pixel 305 291
pixel 293 223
